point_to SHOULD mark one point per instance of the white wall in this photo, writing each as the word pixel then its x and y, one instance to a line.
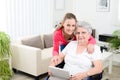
pixel 103 22
pixel 59 14
pixel 2 15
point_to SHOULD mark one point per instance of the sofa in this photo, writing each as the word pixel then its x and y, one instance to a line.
pixel 32 54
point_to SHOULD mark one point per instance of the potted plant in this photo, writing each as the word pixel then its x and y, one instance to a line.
pixel 5 54
pixel 114 43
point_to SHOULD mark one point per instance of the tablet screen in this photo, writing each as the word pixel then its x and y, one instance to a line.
pixel 58 72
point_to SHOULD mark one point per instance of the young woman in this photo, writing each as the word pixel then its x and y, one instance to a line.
pixel 64 33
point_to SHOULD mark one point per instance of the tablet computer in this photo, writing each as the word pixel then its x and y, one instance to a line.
pixel 58 72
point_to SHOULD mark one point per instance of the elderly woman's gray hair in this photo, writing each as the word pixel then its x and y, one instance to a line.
pixel 84 25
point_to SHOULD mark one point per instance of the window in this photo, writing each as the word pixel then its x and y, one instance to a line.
pixel 119 11
pixel 28 17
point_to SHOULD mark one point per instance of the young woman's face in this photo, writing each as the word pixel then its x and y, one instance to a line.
pixel 82 35
pixel 69 26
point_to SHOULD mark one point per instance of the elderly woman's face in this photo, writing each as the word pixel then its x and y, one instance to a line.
pixel 82 35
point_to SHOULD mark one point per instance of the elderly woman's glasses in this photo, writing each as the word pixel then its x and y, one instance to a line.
pixel 80 33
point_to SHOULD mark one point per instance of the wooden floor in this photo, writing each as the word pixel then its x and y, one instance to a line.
pixel 114 76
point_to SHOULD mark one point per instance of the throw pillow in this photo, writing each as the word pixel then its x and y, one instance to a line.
pixel 48 40
pixel 34 42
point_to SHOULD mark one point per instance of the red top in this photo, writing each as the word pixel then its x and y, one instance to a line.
pixel 58 39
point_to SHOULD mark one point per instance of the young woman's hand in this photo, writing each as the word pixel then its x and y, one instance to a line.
pixel 49 73
pixel 90 48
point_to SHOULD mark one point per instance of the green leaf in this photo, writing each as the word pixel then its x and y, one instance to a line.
pixel 114 43
pixel 5 71
pixel 116 33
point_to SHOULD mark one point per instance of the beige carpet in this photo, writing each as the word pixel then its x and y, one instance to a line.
pixel 115 74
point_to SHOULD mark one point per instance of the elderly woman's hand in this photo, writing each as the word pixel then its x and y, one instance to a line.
pixel 78 76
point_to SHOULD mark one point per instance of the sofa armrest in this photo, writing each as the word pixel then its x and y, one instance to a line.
pixel 25 58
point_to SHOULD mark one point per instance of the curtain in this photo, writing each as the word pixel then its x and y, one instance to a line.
pixel 29 17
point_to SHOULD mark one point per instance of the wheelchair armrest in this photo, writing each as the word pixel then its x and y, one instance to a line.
pixel 61 65
pixel 97 76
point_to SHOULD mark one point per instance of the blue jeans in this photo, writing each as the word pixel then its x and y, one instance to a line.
pixel 62 46
pixel 89 78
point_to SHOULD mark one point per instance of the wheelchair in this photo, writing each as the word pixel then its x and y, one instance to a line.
pixel 94 77
pixel 61 65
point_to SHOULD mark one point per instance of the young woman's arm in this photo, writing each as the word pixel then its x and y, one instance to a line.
pixel 90 47
pixel 56 43
pixel 92 40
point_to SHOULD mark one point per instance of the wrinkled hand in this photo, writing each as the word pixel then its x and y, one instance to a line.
pixel 90 48
pixel 78 76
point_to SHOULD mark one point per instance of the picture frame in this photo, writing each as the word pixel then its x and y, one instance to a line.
pixel 59 4
pixel 102 5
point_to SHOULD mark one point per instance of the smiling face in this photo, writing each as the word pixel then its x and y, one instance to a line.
pixel 82 35
pixel 69 26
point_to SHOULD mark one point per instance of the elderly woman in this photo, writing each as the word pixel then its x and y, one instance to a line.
pixel 78 61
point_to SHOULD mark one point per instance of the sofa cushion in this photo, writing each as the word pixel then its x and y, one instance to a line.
pixel 48 40
pixel 33 42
